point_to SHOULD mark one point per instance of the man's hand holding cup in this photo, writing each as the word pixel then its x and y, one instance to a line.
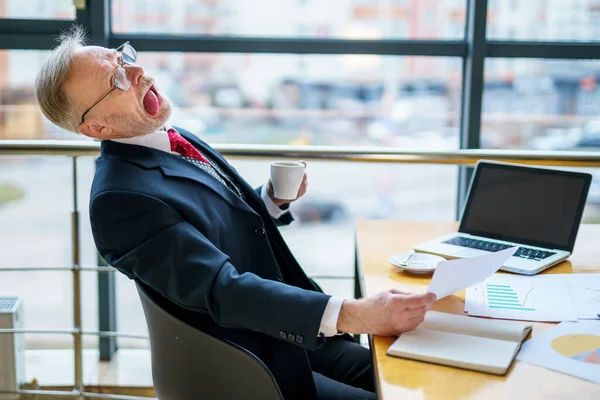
pixel 288 181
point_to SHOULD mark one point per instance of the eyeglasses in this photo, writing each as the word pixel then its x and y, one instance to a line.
pixel 128 56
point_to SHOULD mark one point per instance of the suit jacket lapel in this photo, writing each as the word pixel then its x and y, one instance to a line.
pixel 172 166
pixel 246 188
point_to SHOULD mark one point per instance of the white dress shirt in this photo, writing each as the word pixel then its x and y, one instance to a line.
pixel 160 140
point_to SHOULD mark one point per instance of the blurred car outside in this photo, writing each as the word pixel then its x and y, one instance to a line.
pixel 590 139
pixel 594 193
pixel 556 139
pixel 319 211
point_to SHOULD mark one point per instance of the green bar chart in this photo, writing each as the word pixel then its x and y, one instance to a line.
pixel 526 298
pixel 505 297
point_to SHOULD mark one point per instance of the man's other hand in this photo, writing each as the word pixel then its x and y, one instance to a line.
pixel 386 313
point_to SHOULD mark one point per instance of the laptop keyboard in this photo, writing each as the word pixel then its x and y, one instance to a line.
pixel 522 252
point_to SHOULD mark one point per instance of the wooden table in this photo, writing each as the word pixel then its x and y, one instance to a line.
pixel 399 378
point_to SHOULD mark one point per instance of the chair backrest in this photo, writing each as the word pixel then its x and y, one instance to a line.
pixel 188 364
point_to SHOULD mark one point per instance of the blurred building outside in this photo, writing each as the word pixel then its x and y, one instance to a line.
pixel 348 99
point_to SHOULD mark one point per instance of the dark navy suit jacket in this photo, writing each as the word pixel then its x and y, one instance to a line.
pixel 218 261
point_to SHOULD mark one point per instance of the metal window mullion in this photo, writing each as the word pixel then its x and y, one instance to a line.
pixel 26 41
pixel 472 95
pixel 222 44
pixel 33 26
pixel 557 50
pixel 95 19
pixel 30 34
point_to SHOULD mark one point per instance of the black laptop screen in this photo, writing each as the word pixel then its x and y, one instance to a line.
pixel 532 206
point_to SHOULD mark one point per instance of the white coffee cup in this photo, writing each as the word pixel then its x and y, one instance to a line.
pixel 287 178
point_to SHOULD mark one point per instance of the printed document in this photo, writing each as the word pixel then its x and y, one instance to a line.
pixel 550 298
pixel 570 347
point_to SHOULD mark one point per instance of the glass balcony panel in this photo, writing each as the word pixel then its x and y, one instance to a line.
pixel 322 236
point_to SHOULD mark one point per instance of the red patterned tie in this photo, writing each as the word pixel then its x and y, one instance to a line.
pixel 183 147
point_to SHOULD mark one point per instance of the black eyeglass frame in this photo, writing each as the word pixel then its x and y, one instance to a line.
pixel 128 57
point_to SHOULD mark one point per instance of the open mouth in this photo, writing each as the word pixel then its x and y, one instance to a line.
pixel 152 101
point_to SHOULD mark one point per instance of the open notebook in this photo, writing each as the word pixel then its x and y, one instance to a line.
pixel 485 345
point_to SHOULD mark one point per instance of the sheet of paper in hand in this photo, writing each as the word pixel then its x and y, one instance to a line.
pixel 454 275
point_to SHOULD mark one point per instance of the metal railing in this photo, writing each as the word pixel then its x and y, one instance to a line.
pixel 75 149
pixel 330 153
pixel 77 333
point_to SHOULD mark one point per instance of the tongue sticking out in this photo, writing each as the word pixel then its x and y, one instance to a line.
pixel 151 103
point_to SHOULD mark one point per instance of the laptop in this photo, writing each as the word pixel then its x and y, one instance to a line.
pixel 537 209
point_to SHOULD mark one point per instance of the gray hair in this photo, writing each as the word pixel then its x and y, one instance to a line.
pixel 54 73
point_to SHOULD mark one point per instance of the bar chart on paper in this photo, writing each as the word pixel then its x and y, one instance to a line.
pixel 517 297
pixel 504 297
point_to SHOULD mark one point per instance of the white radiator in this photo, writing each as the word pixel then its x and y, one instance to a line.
pixel 12 346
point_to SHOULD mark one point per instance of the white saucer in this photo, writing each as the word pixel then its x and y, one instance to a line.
pixel 416 263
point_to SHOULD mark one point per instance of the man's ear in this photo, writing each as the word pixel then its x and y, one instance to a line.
pixel 94 129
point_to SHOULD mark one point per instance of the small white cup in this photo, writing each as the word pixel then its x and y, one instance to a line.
pixel 287 178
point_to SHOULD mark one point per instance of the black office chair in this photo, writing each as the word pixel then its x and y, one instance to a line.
pixel 188 364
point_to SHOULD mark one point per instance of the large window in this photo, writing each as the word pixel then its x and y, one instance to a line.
pixel 37 9
pixel 541 104
pixel 313 99
pixel 546 20
pixel 20 116
pixel 279 99
pixel 346 19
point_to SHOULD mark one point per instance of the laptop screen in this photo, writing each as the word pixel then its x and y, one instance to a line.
pixel 534 206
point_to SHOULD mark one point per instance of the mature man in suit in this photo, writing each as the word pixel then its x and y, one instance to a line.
pixel 171 213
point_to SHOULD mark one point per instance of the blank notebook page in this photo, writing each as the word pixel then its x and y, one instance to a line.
pixel 455 349
pixel 504 330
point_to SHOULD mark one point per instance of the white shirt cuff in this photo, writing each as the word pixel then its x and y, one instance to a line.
pixel 274 211
pixel 329 321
